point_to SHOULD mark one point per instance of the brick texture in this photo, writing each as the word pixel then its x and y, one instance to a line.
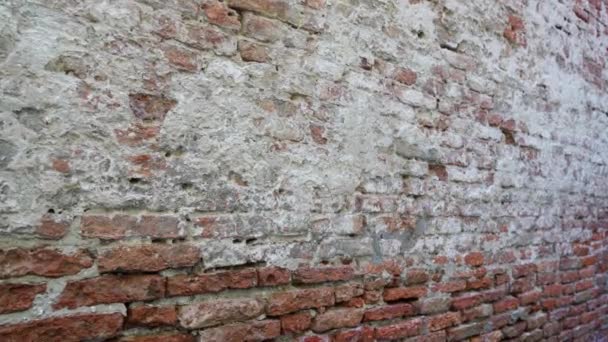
pixel 303 170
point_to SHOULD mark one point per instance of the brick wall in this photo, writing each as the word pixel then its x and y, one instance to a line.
pixel 303 170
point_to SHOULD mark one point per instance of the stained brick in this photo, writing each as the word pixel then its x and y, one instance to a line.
pixel 286 302
pixel 147 258
pixel 247 331
pixel 47 262
pixel 408 328
pixel 210 313
pixel 152 316
pixel 389 312
pixel 67 328
pixel 186 285
pixel 399 293
pixel 337 318
pixel 18 297
pixel 121 226
pixel 111 289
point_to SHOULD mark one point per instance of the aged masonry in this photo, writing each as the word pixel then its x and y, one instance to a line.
pixel 303 170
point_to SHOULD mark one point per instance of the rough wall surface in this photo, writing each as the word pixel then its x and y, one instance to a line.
pixel 310 170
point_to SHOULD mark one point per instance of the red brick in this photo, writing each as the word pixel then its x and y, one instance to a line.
pixel 187 285
pixel 210 313
pixel 451 286
pixel 52 228
pixel 181 58
pixel 463 331
pixel 409 328
pixel 389 312
pixel 509 303
pixel 347 292
pixel 499 321
pixel 67 328
pixel 322 274
pixel 474 259
pixel 584 285
pixel 219 14
pixel 587 272
pixel 522 285
pixel 416 276
pixel 337 318
pixel 247 331
pixel 554 290
pixel 519 271
pixel 569 277
pixel 466 301
pixel 483 310
pixel 443 321
pixel 158 337
pixel 296 323
pixel 530 297
pixel 147 258
pixel 148 107
pixel 434 305
pixel 286 302
pixel 121 226
pixel 46 262
pixel 569 264
pixel 478 284
pixel 361 334
pixel 111 289
pixel 152 316
pixel 18 297
pixel 398 293
pixel 269 8
pixel 317 132
pixel 405 76
pixel 273 276
pixel 514 330
pixel 253 52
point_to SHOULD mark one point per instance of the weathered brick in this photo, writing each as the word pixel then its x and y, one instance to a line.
pixel 253 52
pixel 509 303
pixel 519 271
pixel 152 316
pixel 148 107
pixel 434 305
pixel 296 323
pixel 348 291
pixel 308 275
pixel 361 334
pixel 443 321
pixel 51 227
pixel 389 312
pixel 157 337
pixel 408 328
pixel 219 14
pixel 187 285
pixel 210 313
pixel 18 297
pixel 461 332
pixel 273 276
pixel 286 302
pixel 45 261
pixel 337 318
pixel 67 328
pixel 451 286
pixel 474 259
pixel 399 293
pixel 111 289
pixel 147 258
pixel 122 226
pixel 247 331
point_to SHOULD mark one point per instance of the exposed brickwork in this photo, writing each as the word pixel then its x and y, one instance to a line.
pixel 303 170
